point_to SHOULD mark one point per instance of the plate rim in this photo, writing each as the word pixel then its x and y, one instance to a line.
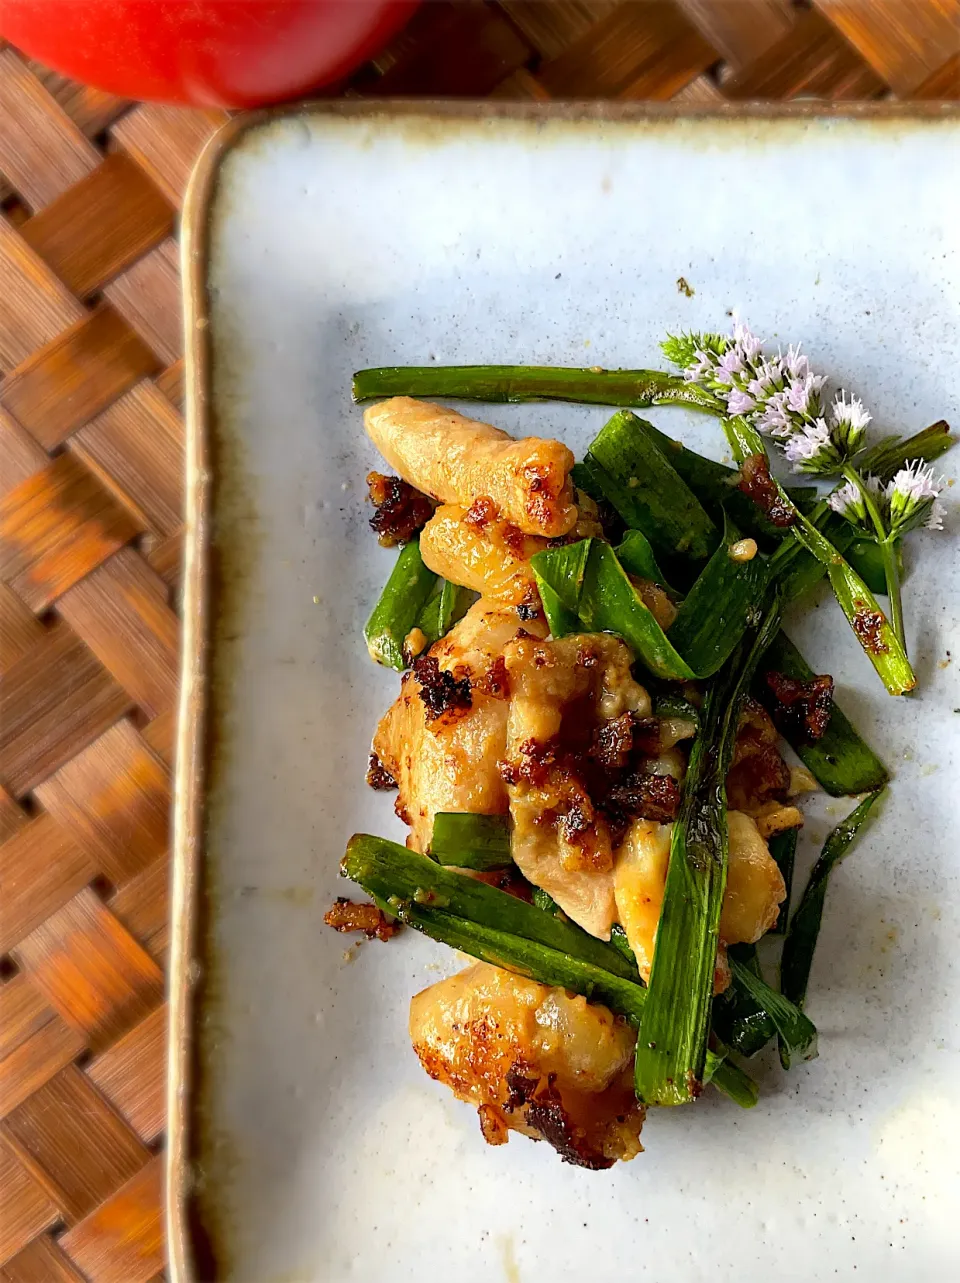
pixel 190 767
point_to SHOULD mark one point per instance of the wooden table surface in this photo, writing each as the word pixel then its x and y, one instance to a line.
pixel 91 497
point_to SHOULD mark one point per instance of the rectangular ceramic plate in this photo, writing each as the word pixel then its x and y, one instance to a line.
pixel 311 1146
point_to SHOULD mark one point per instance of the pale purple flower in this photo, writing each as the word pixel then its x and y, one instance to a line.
pixel 811 448
pixel 796 363
pixel 739 402
pixel 803 395
pixel 702 368
pixel 805 443
pixel 778 395
pixel 746 341
pixel 730 363
pixel 774 418
pixel 768 378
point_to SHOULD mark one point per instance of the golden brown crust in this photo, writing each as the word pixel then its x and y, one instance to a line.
pixel 477 549
pixel 346 915
pixel 450 762
pixel 532 1059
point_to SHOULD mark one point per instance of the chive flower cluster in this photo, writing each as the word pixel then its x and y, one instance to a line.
pixel 783 399
pixel 779 395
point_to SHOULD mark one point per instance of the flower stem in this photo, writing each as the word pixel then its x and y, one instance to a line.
pixel 851 474
pixel 888 551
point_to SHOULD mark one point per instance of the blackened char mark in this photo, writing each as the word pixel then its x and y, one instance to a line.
pixel 521 1085
pixel 617 738
pixel 641 797
pixel 547 1115
pixel 400 509
pixel 378 777
pixel 757 483
pixel 801 709
pixel 441 692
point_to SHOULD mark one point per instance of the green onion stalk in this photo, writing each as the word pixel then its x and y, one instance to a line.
pixel 672 1040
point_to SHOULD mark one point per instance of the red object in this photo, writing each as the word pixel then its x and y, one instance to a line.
pixel 212 53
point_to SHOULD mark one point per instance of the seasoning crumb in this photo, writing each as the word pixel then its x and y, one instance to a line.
pixel 414 643
pixel 684 287
pixel 743 550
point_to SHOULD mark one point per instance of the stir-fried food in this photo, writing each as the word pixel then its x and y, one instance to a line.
pixel 457 460
pixel 532 1059
pixel 443 739
pixel 591 751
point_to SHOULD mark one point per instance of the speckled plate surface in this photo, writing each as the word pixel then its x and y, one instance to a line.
pixel 355 236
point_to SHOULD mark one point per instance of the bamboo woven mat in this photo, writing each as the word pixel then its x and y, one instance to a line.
pixel 91 491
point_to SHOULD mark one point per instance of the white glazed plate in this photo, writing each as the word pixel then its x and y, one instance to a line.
pixel 359 235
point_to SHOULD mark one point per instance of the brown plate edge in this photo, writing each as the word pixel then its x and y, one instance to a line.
pixel 190 770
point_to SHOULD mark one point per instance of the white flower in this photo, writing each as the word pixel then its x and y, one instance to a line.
pixel 739 402
pixel 848 502
pixel 937 514
pixel 915 482
pixel 849 423
pixel 912 498
pixel 853 414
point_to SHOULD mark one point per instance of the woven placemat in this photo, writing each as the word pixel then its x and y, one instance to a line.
pixel 91 492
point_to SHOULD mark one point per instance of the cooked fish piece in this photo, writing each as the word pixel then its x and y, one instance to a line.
pixel 755 886
pixel 475 548
pixel 559 693
pixel 458 460
pixel 656 601
pixel 638 883
pixel 751 901
pixel 532 1059
pixel 450 761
